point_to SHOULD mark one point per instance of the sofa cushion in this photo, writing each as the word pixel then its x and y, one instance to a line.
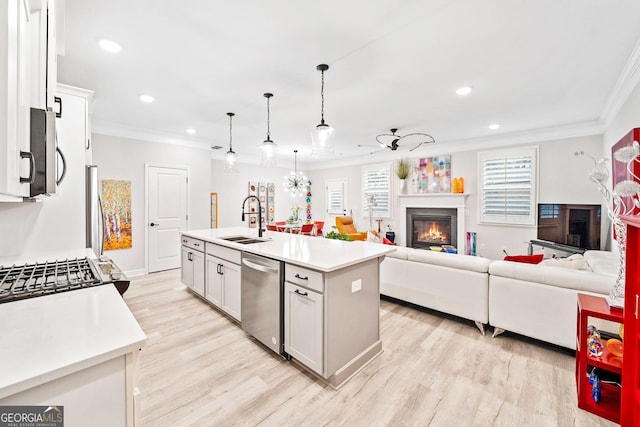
pixel 464 262
pixel 561 277
pixel 400 253
pixel 574 262
pixel 603 262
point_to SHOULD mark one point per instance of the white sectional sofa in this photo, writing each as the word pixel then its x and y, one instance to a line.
pixel 454 284
pixel 538 301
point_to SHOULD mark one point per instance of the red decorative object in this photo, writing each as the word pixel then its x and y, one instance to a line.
pixel 527 259
pixel 630 408
pixel 609 404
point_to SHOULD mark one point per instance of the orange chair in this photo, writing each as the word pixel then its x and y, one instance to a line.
pixel 319 225
pixel 345 226
pixel 306 229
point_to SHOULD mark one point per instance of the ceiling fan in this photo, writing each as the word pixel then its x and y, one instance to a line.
pixel 391 140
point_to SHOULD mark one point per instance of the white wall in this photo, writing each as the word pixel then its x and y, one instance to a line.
pixel 124 159
pixel 233 188
pixel 562 179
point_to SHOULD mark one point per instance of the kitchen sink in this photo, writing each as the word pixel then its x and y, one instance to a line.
pixel 244 240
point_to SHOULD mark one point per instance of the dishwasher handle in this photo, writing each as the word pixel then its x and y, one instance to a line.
pixel 259 267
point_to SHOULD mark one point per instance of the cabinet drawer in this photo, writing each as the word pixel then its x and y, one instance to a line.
pixel 232 255
pixel 192 243
pixel 304 277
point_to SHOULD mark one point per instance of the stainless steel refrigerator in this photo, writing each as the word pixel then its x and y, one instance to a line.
pixel 95 216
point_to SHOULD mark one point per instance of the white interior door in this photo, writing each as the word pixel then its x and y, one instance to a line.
pixel 167 215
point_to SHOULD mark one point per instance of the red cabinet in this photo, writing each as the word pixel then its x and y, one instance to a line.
pixel 630 410
pixel 609 405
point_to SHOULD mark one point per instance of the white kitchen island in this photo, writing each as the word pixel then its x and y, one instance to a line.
pixel 330 292
pixel 77 349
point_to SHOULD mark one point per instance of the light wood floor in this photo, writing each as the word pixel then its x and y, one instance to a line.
pixel 200 368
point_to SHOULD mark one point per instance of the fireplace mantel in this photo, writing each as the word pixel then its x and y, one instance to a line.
pixel 434 200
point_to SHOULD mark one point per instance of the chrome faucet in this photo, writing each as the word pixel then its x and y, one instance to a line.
pixel 259 213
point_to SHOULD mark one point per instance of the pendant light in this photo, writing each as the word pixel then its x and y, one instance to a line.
pixel 231 157
pixel 296 182
pixel 268 148
pixel 322 135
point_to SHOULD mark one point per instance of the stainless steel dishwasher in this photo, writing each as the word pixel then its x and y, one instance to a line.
pixel 261 302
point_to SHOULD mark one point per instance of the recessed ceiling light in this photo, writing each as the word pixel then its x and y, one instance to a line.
pixel 464 90
pixel 110 46
pixel 494 126
pixel 191 131
pixel 146 98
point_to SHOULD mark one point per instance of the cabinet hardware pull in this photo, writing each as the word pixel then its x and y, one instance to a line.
pixel 58 100
pixel 184 241
pixel 64 164
pixel 304 294
pixel 297 276
pixel 189 256
pixel 220 269
pixel 32 167
pixel 196 244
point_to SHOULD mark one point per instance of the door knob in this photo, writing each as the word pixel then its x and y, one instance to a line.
pixel 153 224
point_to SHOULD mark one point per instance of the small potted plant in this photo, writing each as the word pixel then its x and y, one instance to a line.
pixel 402 172
pixel 390 234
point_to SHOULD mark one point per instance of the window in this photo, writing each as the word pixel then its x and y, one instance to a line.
pixel 336 198
pixel 508 186
pixel 548 211
pixel 376 190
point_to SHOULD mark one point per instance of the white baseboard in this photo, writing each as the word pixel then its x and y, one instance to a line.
pixel 134 273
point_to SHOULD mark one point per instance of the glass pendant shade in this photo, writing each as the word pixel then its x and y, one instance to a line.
pixel 322 136
pixel 322 141
pixel 268 153
pixel 268 148
pixel 230 161
pixel 231 158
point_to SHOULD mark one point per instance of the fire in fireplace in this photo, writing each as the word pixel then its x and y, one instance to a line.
pixel 431 227
pixel 430 230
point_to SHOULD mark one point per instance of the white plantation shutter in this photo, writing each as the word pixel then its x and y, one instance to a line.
pixel 376 181
pixel 508 186
pixel 336 196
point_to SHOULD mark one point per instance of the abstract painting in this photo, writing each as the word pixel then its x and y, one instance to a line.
pixel 116 206
pixel 432 175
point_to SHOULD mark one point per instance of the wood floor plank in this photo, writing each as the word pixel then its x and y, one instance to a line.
pixel 199 368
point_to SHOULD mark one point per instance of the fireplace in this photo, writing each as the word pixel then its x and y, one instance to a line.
pixel 431 227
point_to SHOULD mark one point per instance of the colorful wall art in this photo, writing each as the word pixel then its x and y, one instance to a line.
pixel 116 205
pixel 266 192
pixel 432 175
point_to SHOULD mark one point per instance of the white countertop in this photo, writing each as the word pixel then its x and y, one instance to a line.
pixel 48 337
pixel 317 253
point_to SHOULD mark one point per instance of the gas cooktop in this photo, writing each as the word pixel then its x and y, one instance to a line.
pixel 39 279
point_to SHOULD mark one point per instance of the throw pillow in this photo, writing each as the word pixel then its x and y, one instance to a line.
pixel 528 259
pixel 573 263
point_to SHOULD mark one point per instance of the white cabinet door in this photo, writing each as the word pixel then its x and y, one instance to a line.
pixel 223 285
pixel 213 292
pixel 187 267
pixel 231 289
pixel 14 93
pixel 303 326
pixel 197 259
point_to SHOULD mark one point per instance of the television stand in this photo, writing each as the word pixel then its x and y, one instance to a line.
pixel 557 246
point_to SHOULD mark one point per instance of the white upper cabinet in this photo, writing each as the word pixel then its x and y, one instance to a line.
pixel 27 79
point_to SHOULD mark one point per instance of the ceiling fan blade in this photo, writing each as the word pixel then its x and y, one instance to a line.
pixel 377 151
pixel 371 145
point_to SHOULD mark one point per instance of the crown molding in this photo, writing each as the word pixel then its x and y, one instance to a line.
pixel 103 127
pixel 627 82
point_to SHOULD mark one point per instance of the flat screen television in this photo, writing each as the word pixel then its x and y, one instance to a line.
pixel 573 225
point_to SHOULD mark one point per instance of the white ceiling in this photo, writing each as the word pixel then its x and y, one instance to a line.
pixel 533 65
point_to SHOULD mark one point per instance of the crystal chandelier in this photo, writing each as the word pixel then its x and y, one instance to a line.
pixel 268 148
pixel 296 182
pixel 231 157
pixel 322 135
